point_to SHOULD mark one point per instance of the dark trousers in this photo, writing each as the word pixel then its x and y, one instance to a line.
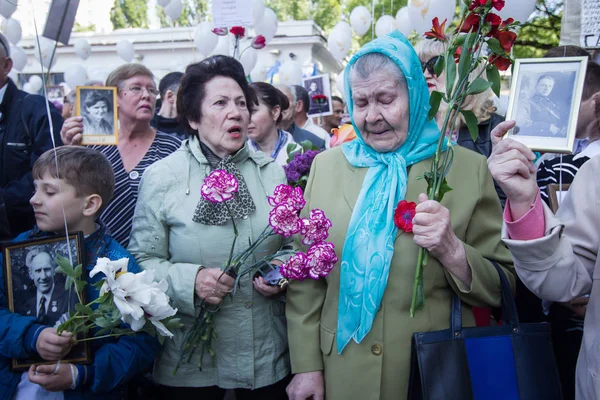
pixel 271 392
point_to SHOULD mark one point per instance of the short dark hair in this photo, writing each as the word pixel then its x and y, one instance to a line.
pixel 546 77
pixel 302 95
pixel 337 98
pixel 271 96
pixel 95 97
pixel 86 169
pixel 567 51
pixel 170 81
pixel 193 83
pixel 591 83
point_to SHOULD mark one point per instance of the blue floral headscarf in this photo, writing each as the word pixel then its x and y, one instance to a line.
pixel 369 245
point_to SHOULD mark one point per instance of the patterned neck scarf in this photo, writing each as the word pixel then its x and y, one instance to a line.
pixel 369 245
pixel 241 205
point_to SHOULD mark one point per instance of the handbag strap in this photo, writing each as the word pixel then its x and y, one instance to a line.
pixel 509 308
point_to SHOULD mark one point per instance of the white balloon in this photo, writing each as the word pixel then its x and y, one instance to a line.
pixel 259 73
pixel 268 25
pixel 290 73
pixel 385 24
pixel 360 19
pixel 7 8
pixel 28 89
pixel 13 31
pixel 222 47
pixel 83 49
pixel 75 75
pixel 174 9
pixel 258 11
pixel 163 3
pixel 421 13
pixel 47 50
pixel 204 39
pixel 340 40
pixel 520 11
pixel 339 83
pixel 14 75
pixel 248 60
pixel 19 57
pixel 403 23
pixel 36 82
pixel 125 50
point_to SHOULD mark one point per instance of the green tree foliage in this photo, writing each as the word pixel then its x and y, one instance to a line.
pixel 541 32
pixel 129 14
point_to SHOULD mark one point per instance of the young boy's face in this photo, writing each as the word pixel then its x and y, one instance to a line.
pixel 51 195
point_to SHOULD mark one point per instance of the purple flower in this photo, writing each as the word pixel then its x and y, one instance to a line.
pixel 321 259
pixel 296 268
pixel 285 194
pixel 219 186
pixel 300 165
pixel 315 229
pixel 284 220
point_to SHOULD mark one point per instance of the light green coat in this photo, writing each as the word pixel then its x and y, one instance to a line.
pixel 251 348
pixel 378 367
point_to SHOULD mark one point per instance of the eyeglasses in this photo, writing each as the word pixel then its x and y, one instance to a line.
pixel 429 65
pixel 138 90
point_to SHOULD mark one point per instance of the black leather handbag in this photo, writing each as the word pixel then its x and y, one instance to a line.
pixel 510 362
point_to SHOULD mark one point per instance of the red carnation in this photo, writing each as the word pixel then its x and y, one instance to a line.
pixel 404 214
pixel 259 42
pixel 498 4
pixel 506 23
pixel 502 63
pixel 506 39
pixel 472 22
pixel 238 31
pixel 477 3
pixel 494 19
pixel 319 98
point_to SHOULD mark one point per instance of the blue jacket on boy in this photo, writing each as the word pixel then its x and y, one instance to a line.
pixel 115 361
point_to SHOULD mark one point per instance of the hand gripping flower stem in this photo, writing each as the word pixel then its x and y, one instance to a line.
pixel 481 30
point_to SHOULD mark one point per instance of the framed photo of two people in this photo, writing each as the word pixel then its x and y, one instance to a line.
pixel 545 96
pixel 34 288
pixel 98 107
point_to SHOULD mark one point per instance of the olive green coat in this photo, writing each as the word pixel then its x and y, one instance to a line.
pixel 378 367
pixel 251 348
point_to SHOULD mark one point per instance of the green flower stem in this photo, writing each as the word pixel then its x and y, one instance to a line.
pixel 417 283
pixel 106 336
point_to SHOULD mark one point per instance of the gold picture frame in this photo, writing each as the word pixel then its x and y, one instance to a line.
pixel 98 107
pixel 544 99
pixel 24 285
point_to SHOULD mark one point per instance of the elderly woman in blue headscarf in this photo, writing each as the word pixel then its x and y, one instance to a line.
pixel 350 334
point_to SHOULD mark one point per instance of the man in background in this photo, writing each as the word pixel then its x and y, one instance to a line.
pixel 288 123
pixel 302 119
pixel 334 120
pixel 24 136
pixel 165 119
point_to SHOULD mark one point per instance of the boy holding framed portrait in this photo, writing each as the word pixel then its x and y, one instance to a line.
pixel 28 338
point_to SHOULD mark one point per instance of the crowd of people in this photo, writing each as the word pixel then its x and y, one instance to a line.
pixel 141 200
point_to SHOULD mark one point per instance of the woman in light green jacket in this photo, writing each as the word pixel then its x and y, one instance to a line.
pixel 185 241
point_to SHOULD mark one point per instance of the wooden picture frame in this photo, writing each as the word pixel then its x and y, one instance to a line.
pixel 29 276
pixel 544 100
pixel 556 194
pixel 98 107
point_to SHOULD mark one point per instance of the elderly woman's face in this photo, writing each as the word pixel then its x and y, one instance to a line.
pixel 223 126
pixel 98 110
pixel 137 98
pixel 381 110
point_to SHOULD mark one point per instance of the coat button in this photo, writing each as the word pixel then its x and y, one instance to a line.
pixel 376 349
pixel 134 175
pixel 248 304
pixel 245 217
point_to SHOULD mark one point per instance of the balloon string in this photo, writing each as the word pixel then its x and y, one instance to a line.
pixel 49 114
pixel 372 19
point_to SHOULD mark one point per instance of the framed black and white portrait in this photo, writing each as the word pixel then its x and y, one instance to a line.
pixel 98 107
pixel 34 288
pixel 544 101
pixel 319 95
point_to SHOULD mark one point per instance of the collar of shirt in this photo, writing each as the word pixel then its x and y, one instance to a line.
pixel 309 122
pixel 2 92
pixel 592 150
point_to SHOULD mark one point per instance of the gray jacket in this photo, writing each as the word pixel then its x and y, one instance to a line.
pixel 564 265
pixel 251 349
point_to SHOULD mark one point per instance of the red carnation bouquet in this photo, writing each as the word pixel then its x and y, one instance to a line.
pixel 479 28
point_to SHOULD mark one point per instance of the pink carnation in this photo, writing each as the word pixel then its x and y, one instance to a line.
pixel 295 268
pixel 315 229
pixel 321 259
pixel 219 186
pixel 285 194
pixel 284 220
